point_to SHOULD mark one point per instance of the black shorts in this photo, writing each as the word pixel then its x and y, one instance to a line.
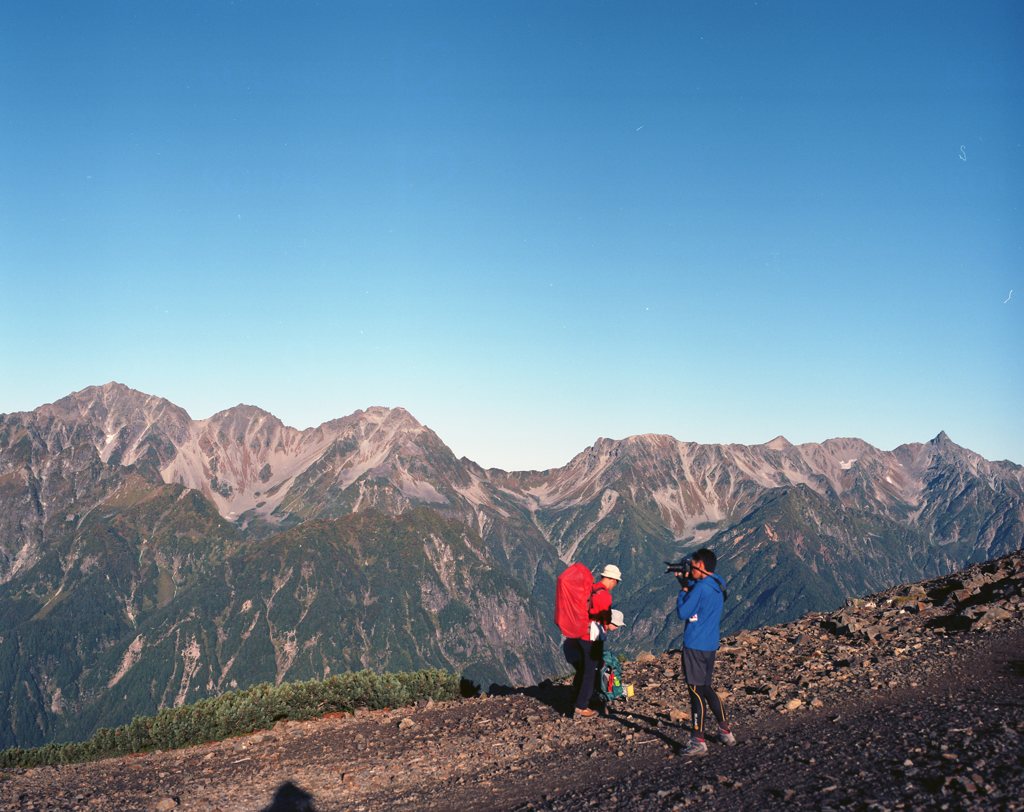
pixel 698 666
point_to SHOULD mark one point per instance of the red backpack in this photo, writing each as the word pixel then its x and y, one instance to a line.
pixel 572 601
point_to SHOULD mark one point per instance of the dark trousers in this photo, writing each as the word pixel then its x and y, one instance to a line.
pixel 586 657
pixel 704 702
pixel 698 667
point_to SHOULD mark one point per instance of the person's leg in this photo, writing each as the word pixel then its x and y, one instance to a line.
pixel 574 656
pixel 711 699
pixel 597 652
pixel 589 678
pixel 698 711
pixel 698 714
pixel 713 702
pixel 695 672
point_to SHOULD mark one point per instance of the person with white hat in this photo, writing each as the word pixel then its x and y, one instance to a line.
pixel 599 631
pixel 592 650
pixel 610 686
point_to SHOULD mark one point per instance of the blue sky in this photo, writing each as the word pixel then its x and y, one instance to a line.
pixel 529 223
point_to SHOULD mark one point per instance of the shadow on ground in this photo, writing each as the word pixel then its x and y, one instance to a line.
pixel 561 699
pixel 290 798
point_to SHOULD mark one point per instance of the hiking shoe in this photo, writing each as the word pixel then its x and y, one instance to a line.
pixel 696 747
pixel 726 737
pixel 586 713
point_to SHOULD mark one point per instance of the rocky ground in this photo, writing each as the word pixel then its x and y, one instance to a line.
pixel 913 698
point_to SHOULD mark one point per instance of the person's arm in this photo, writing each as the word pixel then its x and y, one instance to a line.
pixel 688 602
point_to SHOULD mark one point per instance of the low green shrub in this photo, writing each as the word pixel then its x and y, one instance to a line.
pixel 240 712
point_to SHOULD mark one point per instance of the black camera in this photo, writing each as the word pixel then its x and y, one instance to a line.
pixel 680 570
pixel 683 573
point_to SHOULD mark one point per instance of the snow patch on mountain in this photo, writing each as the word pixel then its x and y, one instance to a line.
pixel 131 656
pixel 26 558
pixel 191 655
pixel 608 500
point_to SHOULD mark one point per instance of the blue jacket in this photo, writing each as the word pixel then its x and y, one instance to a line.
pixel 702 608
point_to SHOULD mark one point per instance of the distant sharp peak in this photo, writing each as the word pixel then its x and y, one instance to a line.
pixel 942 448
pixel 779 443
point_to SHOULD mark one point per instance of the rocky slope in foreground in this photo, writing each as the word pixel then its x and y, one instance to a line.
pixel 911 698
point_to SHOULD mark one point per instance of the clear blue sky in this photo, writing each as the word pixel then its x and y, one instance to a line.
pixel 529 223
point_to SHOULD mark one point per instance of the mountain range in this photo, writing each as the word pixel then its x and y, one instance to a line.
pixel 148 559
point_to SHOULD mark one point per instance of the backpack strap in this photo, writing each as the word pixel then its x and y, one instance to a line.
pixel 721 583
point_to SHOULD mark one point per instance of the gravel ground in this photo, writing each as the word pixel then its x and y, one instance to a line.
pixel 911 699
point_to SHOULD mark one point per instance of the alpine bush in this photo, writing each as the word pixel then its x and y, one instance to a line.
pixel 239 712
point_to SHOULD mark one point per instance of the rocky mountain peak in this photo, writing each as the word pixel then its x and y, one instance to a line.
pixel 942 451
pixel 942 439
pixel 248 462
pixel 123 424
pixel 394 422
pixel 779 443
pixel 113 398
pixel 241 421
pixel 652 443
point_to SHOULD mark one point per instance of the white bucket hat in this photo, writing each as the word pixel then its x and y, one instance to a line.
pixel 618 619
pixel 611 571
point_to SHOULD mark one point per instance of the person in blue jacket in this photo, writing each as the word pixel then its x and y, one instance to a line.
pixel 700 605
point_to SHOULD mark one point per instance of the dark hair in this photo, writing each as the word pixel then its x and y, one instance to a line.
pixel 706 557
